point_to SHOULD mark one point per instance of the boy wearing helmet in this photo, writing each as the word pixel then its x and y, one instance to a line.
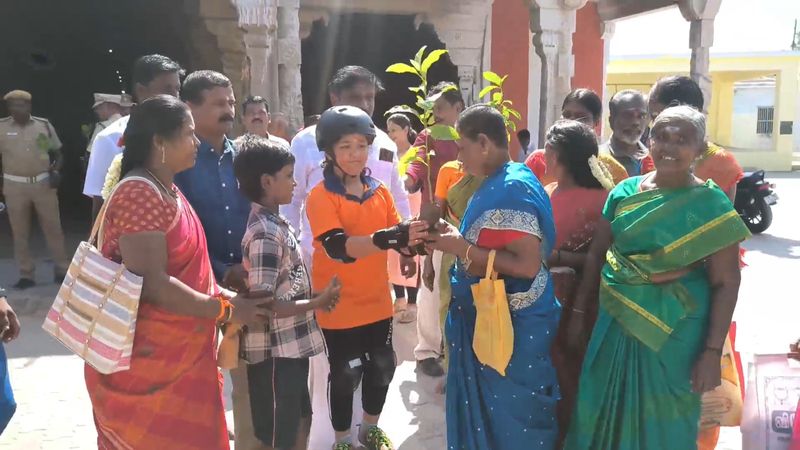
pixel 354 221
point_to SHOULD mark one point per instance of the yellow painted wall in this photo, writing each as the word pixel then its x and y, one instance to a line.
pixel 642 73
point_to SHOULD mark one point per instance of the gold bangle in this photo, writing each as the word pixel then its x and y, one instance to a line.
pixel 467 262
pixel 579 311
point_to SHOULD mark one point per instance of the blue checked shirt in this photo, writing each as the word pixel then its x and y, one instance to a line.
pixel 212 190
pixel 274 263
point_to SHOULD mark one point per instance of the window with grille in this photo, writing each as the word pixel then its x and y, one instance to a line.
pixel 766 116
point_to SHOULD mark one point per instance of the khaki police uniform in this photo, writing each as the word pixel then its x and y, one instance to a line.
pixel 24 151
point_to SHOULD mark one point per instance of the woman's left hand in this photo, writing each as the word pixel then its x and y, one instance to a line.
pixel 707 372
pixel 448 240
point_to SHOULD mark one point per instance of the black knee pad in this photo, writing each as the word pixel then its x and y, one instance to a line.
pixel 381 363
pixel 345 375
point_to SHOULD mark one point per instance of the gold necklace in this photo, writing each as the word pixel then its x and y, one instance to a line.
pixel 169 191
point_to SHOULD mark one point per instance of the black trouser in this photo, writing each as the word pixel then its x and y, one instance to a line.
pixel 362 354
pixel 401 291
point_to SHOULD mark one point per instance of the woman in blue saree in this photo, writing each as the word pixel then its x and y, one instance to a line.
pixel 509 217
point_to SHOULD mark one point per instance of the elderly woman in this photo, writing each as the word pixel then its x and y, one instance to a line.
pixel 668 289
pixel 500 403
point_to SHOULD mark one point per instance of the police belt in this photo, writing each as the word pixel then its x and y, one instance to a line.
pixel 29 180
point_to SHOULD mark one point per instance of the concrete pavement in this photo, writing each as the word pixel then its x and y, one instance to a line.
pixel 54 411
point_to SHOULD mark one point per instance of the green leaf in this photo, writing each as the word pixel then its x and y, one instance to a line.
pixel 402 68
pixel 431 120
pixel 402 109
pixel 487 90
pixel 420 52
pixel 493 78
pixel 416 89
pixel 425 105
pixel 515 113
pixel 443 132
pixel 507 103
pixel 497 98
pixel 431 60
pixel 417 68
pixel 436 96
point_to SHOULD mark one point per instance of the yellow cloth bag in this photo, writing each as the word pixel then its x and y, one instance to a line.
pixel 493 341
pixel 723 406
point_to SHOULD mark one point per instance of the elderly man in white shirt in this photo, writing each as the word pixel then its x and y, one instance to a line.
pixel 352 86
pixel 152 75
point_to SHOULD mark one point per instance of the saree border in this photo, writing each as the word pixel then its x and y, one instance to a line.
pixel 636 308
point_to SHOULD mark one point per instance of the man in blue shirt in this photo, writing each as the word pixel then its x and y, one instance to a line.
pixel 210 186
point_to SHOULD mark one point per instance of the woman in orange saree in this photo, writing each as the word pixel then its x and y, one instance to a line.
pixel 171 397
pixel 577 197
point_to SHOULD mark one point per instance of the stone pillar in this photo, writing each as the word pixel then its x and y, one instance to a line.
pixel 552 24
pixel 289 58
pixel 262 67
pixel 463 27
pixel 701 14
pixel 607 32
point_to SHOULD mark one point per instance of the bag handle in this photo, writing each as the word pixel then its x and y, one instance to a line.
pixel 490 272
pixel 96 234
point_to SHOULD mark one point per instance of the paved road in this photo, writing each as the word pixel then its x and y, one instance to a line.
pixel 54 412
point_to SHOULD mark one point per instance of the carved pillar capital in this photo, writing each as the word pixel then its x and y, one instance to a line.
pixel 699 9
pixel 552 29
pixel 463 29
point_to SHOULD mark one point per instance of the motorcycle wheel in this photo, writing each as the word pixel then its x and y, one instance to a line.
pixel 762 219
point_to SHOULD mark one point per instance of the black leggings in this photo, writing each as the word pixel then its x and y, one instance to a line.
pixel 400 292
pixel 359 355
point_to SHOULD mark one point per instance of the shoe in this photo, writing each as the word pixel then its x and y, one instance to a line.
pixel 343 446
pixel 376 439
pixel 409 315
pixel 24 283
pixel 430 367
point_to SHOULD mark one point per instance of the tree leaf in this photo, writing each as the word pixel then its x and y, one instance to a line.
pixel 487 90
pixel 443 132
pixel 403 109
pixel 515 113
pixel 492 77
pixel 416 89
pixel 497 98
pixel 420 52
pixel 431 60
pixel 507 103
pixel 416 66
pixel 402 68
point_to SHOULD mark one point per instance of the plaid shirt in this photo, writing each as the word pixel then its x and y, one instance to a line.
pixel 274 262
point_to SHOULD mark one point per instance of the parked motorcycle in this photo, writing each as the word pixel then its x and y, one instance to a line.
pixel 754 199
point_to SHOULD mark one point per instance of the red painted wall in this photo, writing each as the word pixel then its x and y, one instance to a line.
pixel 588 47
pixel 510 46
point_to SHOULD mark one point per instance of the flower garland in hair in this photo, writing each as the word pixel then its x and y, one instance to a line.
pixel 601 173
pixel 112 176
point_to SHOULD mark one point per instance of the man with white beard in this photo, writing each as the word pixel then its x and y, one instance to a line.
pixel 628 119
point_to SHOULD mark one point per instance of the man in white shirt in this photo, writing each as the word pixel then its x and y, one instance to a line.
pixel 256 119
pixel 152 75
pixel 351 86
pixel 107 108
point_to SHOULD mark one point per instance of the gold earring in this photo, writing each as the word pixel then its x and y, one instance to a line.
pixel 163 156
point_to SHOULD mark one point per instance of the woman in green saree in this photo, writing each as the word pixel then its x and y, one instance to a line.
pixel 665 260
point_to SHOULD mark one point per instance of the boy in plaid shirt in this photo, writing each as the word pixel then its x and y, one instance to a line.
pixel 272 408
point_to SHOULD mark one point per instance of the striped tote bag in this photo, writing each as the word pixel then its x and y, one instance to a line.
pixel 94 313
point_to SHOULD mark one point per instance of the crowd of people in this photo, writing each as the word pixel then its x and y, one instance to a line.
pixel 618 265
